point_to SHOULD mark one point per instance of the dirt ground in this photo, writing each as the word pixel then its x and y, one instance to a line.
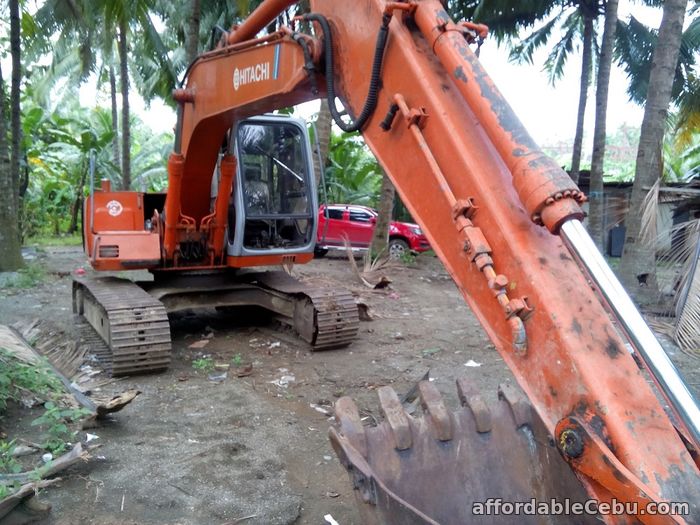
pixel 252 450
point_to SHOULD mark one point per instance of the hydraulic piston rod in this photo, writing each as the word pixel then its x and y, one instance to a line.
pixel 653 355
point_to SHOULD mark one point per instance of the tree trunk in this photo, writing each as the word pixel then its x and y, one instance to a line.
pixel 126 132
pixel 10 254
pixel 192 37
pixel 596 212
pixel 638 265
pixel 115 117
pixel 380 238
pixel 583 96
pixel 323 129
pixel 77 202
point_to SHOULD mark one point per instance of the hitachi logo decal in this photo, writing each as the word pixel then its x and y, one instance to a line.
pixel 250 74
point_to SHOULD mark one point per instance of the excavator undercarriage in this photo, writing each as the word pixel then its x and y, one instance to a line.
pixel 132 317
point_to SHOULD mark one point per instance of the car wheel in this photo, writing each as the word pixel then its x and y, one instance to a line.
pixel 320 253
pixel 398 248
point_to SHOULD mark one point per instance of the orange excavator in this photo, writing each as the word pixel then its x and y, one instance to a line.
pixel 593 441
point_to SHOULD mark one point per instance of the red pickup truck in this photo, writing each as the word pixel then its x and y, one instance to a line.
pixel 337 222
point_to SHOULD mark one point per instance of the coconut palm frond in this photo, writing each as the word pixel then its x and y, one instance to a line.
pixel 372 267
pixel 683 254
pixel 650 211
pixel 687 333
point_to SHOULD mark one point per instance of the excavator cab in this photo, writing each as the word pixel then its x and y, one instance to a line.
pixel 274 194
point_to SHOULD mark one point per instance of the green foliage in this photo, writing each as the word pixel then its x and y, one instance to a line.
pixel 28 277
pixel 58 145
pixel 634 48
pixel 237 360
pixel 55 421
pixel 61 240
pixel 17 376
pixel 353 175
pixel 8 464
pixel 407 258
pixel 203 364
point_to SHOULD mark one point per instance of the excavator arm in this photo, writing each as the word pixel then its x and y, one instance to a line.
pixel 503 218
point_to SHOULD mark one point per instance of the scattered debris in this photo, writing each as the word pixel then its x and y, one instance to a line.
pixel 243 370
pixel 284 380
pixel 116 403
pixel 472 364
pixel 275 344
pixel 383 283
pixel 329 519
pixel 322 410
pixel 199 344
pixel 24 495
pixel 77 454
pixel 332 494
pixel 241 520
pixel 364 312
pixel 24 450
pixel 218 377
pixel 222 367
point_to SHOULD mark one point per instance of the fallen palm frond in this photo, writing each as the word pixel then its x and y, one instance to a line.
pixel 687 332
pixel 681 257
pixel 371 267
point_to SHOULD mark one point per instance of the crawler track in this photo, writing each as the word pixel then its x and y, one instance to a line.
pixel 133 324
pixel 325 317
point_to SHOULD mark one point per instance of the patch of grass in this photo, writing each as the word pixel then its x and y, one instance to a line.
pixel 203 364
pixel 237 360
pixel 28 277
pixel 407 259
pixel 55 421
pixel 17 377
pixel 8 464
pixel 61 240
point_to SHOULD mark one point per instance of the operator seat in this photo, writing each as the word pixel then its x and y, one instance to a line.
pixel 256 192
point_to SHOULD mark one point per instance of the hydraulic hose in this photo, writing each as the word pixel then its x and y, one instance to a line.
pixel 373 91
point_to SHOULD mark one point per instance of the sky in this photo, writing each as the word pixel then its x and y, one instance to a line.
pixel 548 112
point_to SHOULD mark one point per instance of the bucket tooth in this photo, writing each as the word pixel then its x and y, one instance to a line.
pixel 348 418
pixel 396 417
pixel 435 408
pixel 470 399
pixel 519 405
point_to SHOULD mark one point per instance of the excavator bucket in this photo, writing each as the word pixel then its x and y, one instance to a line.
pixel 444 467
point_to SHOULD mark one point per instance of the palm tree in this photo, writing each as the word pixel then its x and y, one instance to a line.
pixel 575 20
pixel 10 255
pixel 380 238
pixel 638 265
pixel 595 220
